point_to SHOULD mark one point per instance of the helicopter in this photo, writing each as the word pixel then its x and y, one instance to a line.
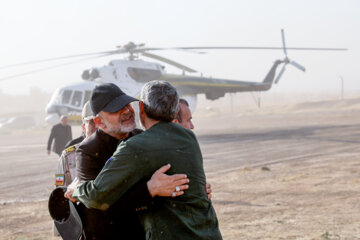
pixel 132 73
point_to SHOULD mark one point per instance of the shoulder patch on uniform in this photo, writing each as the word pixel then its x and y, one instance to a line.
pixel 70 149
pixel 59 179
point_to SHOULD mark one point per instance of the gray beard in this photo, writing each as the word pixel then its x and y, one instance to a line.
pixel 118 129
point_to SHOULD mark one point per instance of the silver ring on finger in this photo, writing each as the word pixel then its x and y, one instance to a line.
pixel 177 189
pixel 173 194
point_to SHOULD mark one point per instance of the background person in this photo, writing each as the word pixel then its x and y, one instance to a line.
pixel 60 134
pixel 184 117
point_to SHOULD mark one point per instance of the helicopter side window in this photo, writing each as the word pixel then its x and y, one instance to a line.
pixel 76 100
pixel 66 97
pixel 87 96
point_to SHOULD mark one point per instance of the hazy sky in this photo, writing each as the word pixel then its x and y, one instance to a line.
pixel 37 29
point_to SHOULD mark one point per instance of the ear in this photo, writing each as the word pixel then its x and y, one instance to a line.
pixel 98 122
pixel 141 107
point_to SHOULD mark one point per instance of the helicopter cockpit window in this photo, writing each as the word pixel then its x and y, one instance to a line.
pixel 56 97
pixel 76 100
pixel 66 97
pixel 143 75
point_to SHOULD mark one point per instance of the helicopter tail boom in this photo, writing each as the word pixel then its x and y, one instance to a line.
pixel 269 78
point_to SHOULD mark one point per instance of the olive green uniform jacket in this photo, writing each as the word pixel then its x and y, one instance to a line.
pixel 190 216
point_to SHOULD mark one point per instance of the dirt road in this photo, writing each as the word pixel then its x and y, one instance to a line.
pixel 279 174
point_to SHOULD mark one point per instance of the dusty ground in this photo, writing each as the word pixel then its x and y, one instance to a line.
pixel 284 172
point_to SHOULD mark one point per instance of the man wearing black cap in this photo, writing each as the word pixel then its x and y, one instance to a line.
pixel 116 121
pixel 115 118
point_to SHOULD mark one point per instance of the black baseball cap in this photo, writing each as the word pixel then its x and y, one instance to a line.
pixel 109 98
pixel 66 218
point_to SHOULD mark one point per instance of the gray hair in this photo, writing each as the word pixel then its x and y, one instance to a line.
pixel 160 100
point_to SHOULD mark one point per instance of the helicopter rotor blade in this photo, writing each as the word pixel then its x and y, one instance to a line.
pixel 297 65
pixel 190 51
pixel 140 50
pixel 280 73
pixel 134 48
pixel 123 50
pixel 168 61
pixel 50 67
pixel 58 58
pixel 283 41
pixel 255 48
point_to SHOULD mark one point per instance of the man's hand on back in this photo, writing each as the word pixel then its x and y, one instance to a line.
pixel 164 185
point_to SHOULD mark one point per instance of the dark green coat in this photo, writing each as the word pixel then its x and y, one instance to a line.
pixel 190 216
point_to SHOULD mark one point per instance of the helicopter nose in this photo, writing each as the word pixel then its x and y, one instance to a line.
pixel 52 118
pixel 50 108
